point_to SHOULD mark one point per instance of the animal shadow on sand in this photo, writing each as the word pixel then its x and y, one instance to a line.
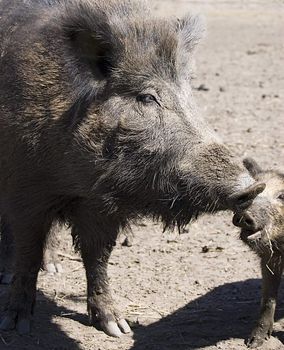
pixel 46 335
pixel 228 311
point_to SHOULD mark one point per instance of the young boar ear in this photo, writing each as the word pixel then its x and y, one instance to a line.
pixel 191 29
pixel 253 168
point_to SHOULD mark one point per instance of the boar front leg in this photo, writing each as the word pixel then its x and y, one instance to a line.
pixel 6 252
pixel 271 278
pixel 29 238
pixel 96 240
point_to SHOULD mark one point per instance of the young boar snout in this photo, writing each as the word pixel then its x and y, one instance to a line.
pixel 265 214
pixel 251 213
pixel 252 221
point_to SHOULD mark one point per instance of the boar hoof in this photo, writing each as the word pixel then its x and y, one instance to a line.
pixel 115 329
pixel 53 268
pixel 128 242
pixel 12 321
pixel 108 322
pixel 258 337
pixel 6 277
pixel 255 342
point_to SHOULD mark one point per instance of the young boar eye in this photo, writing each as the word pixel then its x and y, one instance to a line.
pixel 146 98
pixel 281 197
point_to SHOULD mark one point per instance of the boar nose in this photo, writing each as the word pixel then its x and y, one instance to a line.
pixel 246 221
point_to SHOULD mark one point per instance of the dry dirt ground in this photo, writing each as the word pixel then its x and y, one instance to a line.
pixel 176 295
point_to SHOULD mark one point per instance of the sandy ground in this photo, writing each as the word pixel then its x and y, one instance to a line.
pixel 176 295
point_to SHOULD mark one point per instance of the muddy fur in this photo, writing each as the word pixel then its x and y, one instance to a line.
pixel 263 230
pixel 98 127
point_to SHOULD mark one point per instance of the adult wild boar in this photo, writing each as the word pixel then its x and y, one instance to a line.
pixel 98 126
pixel 263 230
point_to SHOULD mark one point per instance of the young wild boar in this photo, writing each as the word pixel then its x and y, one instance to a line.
pixel 263 230
pixel 97 127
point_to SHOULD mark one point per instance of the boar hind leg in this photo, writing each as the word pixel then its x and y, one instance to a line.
pixel 96 242
pixel 6 252
pixel 271 275
pixel 51 262
pixel 29 243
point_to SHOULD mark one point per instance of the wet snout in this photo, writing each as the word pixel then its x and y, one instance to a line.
pixel 247 215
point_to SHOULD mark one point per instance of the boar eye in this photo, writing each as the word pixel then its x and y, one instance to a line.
pixel 281 196
pixel 146 98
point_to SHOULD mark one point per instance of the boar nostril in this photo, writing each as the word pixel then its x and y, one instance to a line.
pixel 248 222
pixel 237 220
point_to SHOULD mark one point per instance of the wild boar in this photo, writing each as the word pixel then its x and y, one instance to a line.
pixel 263 230
pixel 98 126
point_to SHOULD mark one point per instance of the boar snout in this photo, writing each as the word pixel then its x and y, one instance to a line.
pixel 251 224
pixel 246 216
pixel 241 200
pixel 253 221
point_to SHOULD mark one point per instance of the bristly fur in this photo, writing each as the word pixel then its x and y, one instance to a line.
pixel 168 43
pixel 98 126
pixel 263 231
pixel 96 48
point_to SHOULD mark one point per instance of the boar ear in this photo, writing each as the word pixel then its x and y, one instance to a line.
pixel 88 34
pixel 253 168
pixel 191 29
pixel 94 51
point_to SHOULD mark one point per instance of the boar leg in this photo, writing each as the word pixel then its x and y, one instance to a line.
pixel 96 242
pixel 6 252
pixel 270 285
pixel 51 262
pixel 128 241
pixel 29 244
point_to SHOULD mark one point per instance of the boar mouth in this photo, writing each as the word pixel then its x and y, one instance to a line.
pixel 261 241
pixel 251 235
